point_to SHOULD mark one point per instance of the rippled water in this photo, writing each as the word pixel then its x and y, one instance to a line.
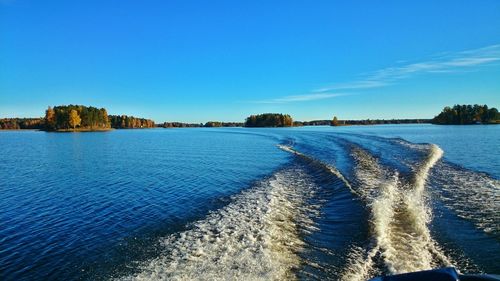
pixel 308 203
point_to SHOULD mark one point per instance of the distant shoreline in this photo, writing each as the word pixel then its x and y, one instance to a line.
pixel 80 118
pixel 203 127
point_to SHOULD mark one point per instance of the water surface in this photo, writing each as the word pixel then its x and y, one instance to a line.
pixel 309 203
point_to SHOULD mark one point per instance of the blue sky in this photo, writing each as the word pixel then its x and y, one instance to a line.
pixel 196 61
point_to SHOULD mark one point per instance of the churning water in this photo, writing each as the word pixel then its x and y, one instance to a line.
pixel 343 203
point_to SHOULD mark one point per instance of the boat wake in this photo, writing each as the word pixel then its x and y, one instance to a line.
pixel 262 234
pixel 472 196
pixel 256 237
pixel 399 217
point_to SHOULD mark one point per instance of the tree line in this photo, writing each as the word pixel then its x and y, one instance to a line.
pixel 467 114
pixel 222 124
pixel 340 122
pixel 180 125
pixel 130 122
pixel 269 120
pixel 209 124
pixel 21 123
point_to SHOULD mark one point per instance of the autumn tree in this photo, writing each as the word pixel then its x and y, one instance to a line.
pixel 335 121
pixel 103 118
pixel 74 119
pixel 50 118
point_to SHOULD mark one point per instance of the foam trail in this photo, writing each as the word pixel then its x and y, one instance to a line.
pixel 417 212
pixel 471 195
pixel 329 168
pixel 256 237
pixel 398 218
pixel 379 191
pixel 422 171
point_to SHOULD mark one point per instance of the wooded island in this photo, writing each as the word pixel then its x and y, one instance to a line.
pixel 269 120
pixel 467 115
pixel 89 118
pixel 69 118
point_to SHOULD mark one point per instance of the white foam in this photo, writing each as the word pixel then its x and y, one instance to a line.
pixel 421 171
pixel 399 219
pixel 256 237
pixel 289 149
pixel 473 196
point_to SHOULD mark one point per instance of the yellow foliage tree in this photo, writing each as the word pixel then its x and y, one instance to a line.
pixel 50 118
pixel 335 121
pixel 74 119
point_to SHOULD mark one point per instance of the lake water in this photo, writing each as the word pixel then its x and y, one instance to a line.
pixel 343 203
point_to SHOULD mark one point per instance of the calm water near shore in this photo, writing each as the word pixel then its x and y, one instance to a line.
pixel 313 203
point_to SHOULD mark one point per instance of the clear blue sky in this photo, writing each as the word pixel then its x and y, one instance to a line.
pixel 196 61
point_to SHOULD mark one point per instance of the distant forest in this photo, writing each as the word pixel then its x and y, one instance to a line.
pixel 467 114
pixel 129 122
pixel 180 125
pixel 198 125
pixel 360 122
pixel 21 123
pixel 223 124
pixel 269 120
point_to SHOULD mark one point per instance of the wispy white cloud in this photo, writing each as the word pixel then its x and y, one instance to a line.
pixel 470 61
pixel 448 62
pixel 442 63
pixel 361 84
pixel 306 97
